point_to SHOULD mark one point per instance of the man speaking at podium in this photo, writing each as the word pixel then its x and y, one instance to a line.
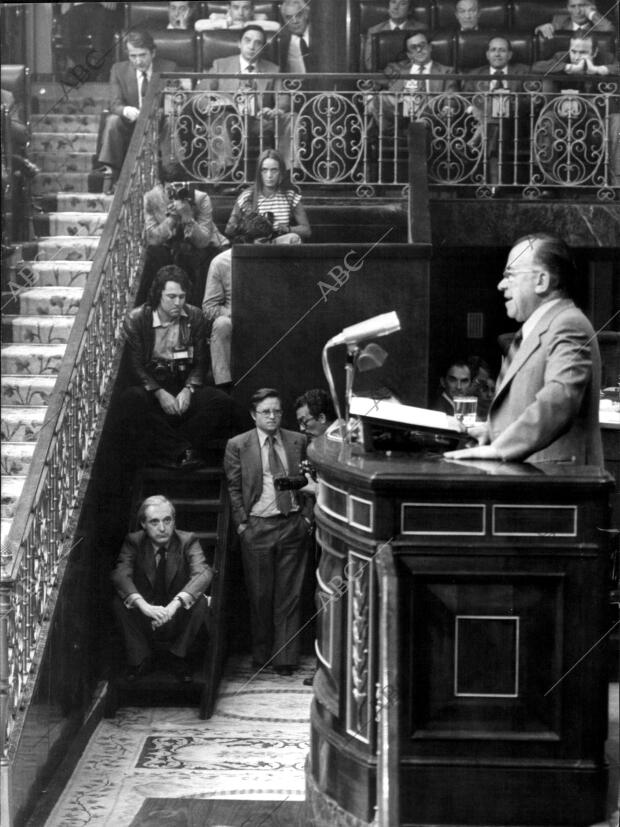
pixel 546 404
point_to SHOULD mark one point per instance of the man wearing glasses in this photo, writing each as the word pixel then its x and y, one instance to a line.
pixel 272 524
pixel 546 403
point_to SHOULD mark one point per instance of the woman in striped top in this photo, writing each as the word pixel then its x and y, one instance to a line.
pixel 270 196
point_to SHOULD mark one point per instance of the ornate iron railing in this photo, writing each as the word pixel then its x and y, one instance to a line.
pixel 43 528
pixel 353 133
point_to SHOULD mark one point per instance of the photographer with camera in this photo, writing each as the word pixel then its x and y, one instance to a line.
pixel 169 415
pixel 270 212
pixel 180 230
pixel 273 521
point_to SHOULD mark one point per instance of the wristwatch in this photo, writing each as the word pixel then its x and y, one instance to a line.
pixel 190 388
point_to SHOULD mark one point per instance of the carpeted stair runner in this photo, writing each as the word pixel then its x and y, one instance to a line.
pixel 48 274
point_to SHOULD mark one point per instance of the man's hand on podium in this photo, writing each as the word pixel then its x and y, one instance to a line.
pixel 479 452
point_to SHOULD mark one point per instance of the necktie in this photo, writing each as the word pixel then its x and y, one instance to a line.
pixel 512 352
pixel 283 498
pixel 303 47
pixel 143 84
pixel 251 67
pixel 159 588
pixel 500 83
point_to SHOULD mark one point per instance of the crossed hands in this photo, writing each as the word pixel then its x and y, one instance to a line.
pixel 585 67
pixel 159 614
pixel 174 405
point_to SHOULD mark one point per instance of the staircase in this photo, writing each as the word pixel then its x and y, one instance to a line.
pixel 43 284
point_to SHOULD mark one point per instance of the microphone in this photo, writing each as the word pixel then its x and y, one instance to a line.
pixel 381 325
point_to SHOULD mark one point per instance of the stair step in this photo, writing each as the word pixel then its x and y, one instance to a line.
pixel 11 490
pixel 74 123
pixel 95 202
pixel 32 359
pixel 208 472
pixel 62 248
pixel 60 143
pixel 197 504
pixel 51 274
pixel 26 390
pixel 48 96
pixel 44 330
pixel 53 182
pixel 22 424
pixel 5 525
pixel 16 458
pixel 67 162
pixel 50 301
pixel 74 224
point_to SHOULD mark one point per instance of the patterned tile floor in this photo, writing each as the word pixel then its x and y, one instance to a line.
pixel 254 747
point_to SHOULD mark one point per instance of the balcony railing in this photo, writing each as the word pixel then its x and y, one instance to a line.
pixel 352 133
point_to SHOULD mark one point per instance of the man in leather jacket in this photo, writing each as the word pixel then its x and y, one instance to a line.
pixel 169 413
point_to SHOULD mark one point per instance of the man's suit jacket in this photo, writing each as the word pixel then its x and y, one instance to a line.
pixel 232 65
pixel 124 83
pixel 546 409
pixel 400 72
pixel 203 232
pixel 186 567
pixel 483 84
pixel 563 22
pixel 410 26
pixel 244 469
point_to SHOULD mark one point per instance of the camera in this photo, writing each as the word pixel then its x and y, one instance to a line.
pixel 290 483
pixel 178 192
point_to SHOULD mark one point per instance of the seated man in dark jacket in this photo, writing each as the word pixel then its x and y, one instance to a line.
pixel 167 351
pixel 160 579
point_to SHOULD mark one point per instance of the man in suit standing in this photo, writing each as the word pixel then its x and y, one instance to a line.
pixel 160 579
pixel 495 102
pixel 399 19
pixel 252 97
pixel 410 89
pixel 546 404
pixel 129 81
pixel 581 16
pixel 272 528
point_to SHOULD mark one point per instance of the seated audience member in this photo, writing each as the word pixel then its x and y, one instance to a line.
pixel 160 578
pixel 315 412
pixel 495 102
pixel 399 18
pixel 180 230
pixel 169 405
pixel 455 382
pixel 581 16
pixel 181 15
pixel 253 100
pixel 467 13
pixel 88 33
pixel 482 385
pixel 240 14
pixel 286 221
pixel 129 80
pixel 410 91
pixel 272 524
pixel 584 70
pixel 295 43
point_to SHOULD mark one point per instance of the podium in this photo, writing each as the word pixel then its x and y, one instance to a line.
pixel 457 602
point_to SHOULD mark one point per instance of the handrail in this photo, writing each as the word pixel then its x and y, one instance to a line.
pixel 41 534
pixel 348 130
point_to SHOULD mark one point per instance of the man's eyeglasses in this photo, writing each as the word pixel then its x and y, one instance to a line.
pixel 304 421
pixel 511 275
pixel 417 47
pixel 270 413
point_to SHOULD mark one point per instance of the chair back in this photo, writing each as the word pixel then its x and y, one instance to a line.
pixel 178 45
pixel 560 42
pixel 493 15
pixel 270 10
pixel 526 16
pixel 471 48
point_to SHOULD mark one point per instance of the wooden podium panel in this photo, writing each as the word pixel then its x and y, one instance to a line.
pixel 287 301
pixel 501 580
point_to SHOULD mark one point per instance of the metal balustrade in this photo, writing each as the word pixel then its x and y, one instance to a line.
pixel 42 533
pixel 353 134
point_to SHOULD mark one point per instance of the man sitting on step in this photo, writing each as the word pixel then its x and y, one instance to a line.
pixel 129 81
pixel 169 406
pixel 160 578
